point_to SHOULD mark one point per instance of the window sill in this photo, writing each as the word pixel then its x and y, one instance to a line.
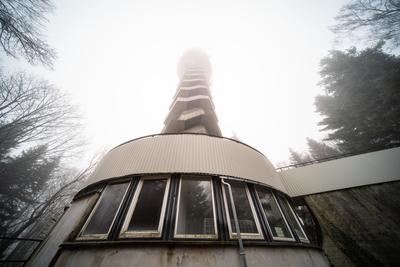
pixel 173 243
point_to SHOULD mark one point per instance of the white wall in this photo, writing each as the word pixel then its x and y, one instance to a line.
pixel 369 168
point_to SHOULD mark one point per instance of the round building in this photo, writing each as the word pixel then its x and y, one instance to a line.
pixel 185 197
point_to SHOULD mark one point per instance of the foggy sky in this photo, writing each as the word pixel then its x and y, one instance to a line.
pixel 118 60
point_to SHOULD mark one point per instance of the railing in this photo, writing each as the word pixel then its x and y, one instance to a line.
pixel 18 250
pixel 332 158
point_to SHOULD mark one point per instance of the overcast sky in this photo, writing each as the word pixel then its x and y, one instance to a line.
pixel 118 60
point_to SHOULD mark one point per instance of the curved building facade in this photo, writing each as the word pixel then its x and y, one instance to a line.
pixel 185 197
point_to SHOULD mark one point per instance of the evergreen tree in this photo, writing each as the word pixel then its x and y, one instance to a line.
pixel 316 151
pixel 297 158
pixel 320 150
pixel 361 104
pixel 23 178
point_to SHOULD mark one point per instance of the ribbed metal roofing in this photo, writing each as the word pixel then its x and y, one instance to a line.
pixel 187 153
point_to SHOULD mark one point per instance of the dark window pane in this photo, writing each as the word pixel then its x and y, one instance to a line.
pixel 308 223
pixel 243 208
pixel 101 220
pixel 195 214
pixel 274 216
pixel 147 212
pixel 290 217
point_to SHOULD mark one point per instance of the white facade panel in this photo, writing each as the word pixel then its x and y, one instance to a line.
pixel 370 168
pixel 187 153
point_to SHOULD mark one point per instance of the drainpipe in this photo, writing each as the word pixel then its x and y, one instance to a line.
pixel 242 254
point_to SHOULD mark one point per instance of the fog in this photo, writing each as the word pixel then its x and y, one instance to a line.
pixel 118 61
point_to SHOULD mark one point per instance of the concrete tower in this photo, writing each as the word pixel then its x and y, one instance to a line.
pixel 192 110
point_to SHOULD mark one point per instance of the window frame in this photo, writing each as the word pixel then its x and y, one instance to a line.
pixel 104 236
pixel 304 240
pixel 196 236
pixel 259 235
pixel 292 239
pixel 169 215
pixel 124 233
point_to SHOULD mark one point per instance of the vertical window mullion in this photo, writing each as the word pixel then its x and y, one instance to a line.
pixel 221 219
pixel 170 209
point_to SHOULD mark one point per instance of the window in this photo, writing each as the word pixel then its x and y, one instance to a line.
pixel 291 216
pixel 249 226
pixel 146 213
pixel 277 224
pixel 195 217
pixel 103 215
pixel 137 208
pixel 307 222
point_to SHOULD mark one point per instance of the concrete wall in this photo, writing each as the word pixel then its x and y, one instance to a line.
pixel 153 256
pixel 361 226
pixel 66 226
pixel 357 203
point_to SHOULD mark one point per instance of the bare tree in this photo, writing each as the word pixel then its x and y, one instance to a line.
pixel 380 20
pixel 57 194
pixel 38 216
pixel 32 111
pixel 39 129
pixel 21 26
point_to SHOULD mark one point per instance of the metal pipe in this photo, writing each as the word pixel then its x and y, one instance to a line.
pixel 242 254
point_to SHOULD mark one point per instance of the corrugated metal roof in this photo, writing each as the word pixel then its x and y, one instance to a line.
pixel 364 169
pixel 187 153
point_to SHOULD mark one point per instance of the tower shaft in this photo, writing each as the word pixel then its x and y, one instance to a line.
pixel 192 109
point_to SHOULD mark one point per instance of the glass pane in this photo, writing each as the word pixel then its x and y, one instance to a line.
pixel 105 212
pixel 290 217
pixel 195 212
pixel 243 208
pixel 308 223
pixel 146 216
pixel 274 216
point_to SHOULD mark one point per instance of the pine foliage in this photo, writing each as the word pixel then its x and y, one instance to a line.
pixel 316 151
pixel 361 104
pixel 320 150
